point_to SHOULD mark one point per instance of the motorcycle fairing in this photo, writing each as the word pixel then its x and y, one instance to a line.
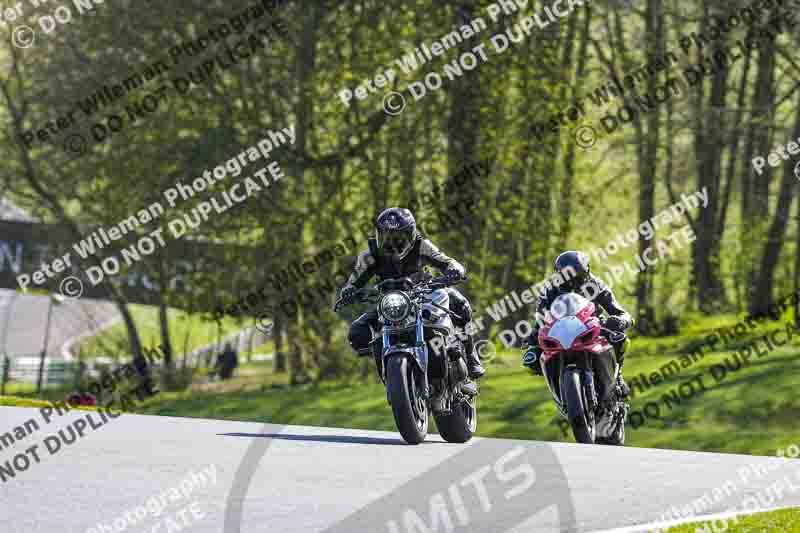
pixel 578 332
pixel 570 330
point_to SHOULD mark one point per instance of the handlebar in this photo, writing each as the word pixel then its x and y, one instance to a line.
pixel 613 335
pixel 371 295
pixel 359 296
pixel 443 282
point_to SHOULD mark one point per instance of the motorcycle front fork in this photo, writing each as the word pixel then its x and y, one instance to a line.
pixel 379 367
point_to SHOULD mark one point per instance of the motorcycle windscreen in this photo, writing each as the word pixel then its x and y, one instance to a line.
pixel 566 330
pixel 569 304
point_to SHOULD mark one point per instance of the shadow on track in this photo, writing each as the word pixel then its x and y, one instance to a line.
pixel 328 438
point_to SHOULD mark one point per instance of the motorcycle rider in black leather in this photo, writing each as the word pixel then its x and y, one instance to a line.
pixel 584 283
pixel 399 251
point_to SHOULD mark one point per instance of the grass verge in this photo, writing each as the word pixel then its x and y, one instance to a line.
pixel 783 521
pixel 187 332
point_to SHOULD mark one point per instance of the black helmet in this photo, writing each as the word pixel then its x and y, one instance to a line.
pixel 396 231
pixel 574 268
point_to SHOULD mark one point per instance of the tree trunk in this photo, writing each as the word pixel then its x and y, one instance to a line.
pixel 709 144
pixel 762 297
pixel 464 125
pixel 741 267
pixel 166 345
pixel 139 362
pixel 304 111
pixel 648 168
pixel 757 193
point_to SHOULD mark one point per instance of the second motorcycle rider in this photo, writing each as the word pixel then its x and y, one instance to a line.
pixel 574 266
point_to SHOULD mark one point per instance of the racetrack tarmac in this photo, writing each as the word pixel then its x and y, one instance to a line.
pixel 27 317
pixel 309 479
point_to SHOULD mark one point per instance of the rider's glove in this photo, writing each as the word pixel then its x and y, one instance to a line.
pixel 531 359
pixel 614 323
pixel 345 297
pixel 454 274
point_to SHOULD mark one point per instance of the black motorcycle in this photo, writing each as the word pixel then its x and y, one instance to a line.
pixel 420 360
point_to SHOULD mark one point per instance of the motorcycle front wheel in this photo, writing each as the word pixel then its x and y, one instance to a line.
pixel 408 406
pixel 572 394
pixel 461 424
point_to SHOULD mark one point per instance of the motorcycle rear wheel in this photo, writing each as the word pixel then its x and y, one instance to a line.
pixel 461 424
pixel 572 394
pixel 410 410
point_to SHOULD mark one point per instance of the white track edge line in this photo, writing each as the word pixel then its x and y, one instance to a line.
pixel 655 526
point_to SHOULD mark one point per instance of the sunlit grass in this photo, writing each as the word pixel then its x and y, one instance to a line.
pixel 187 332
pixel 784 521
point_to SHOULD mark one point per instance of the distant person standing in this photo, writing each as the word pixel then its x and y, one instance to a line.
pixel 227 361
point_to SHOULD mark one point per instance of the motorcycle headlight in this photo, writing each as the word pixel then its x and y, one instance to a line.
pixel 395 306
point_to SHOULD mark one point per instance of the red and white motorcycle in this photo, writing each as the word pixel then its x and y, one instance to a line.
pixel 580 366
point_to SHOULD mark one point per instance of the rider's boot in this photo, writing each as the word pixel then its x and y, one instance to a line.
pixel 623 387
pixel 474 367
pixel 624 390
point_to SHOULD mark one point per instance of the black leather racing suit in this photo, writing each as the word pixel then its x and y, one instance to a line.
pixel 596 291
pixel 372 263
